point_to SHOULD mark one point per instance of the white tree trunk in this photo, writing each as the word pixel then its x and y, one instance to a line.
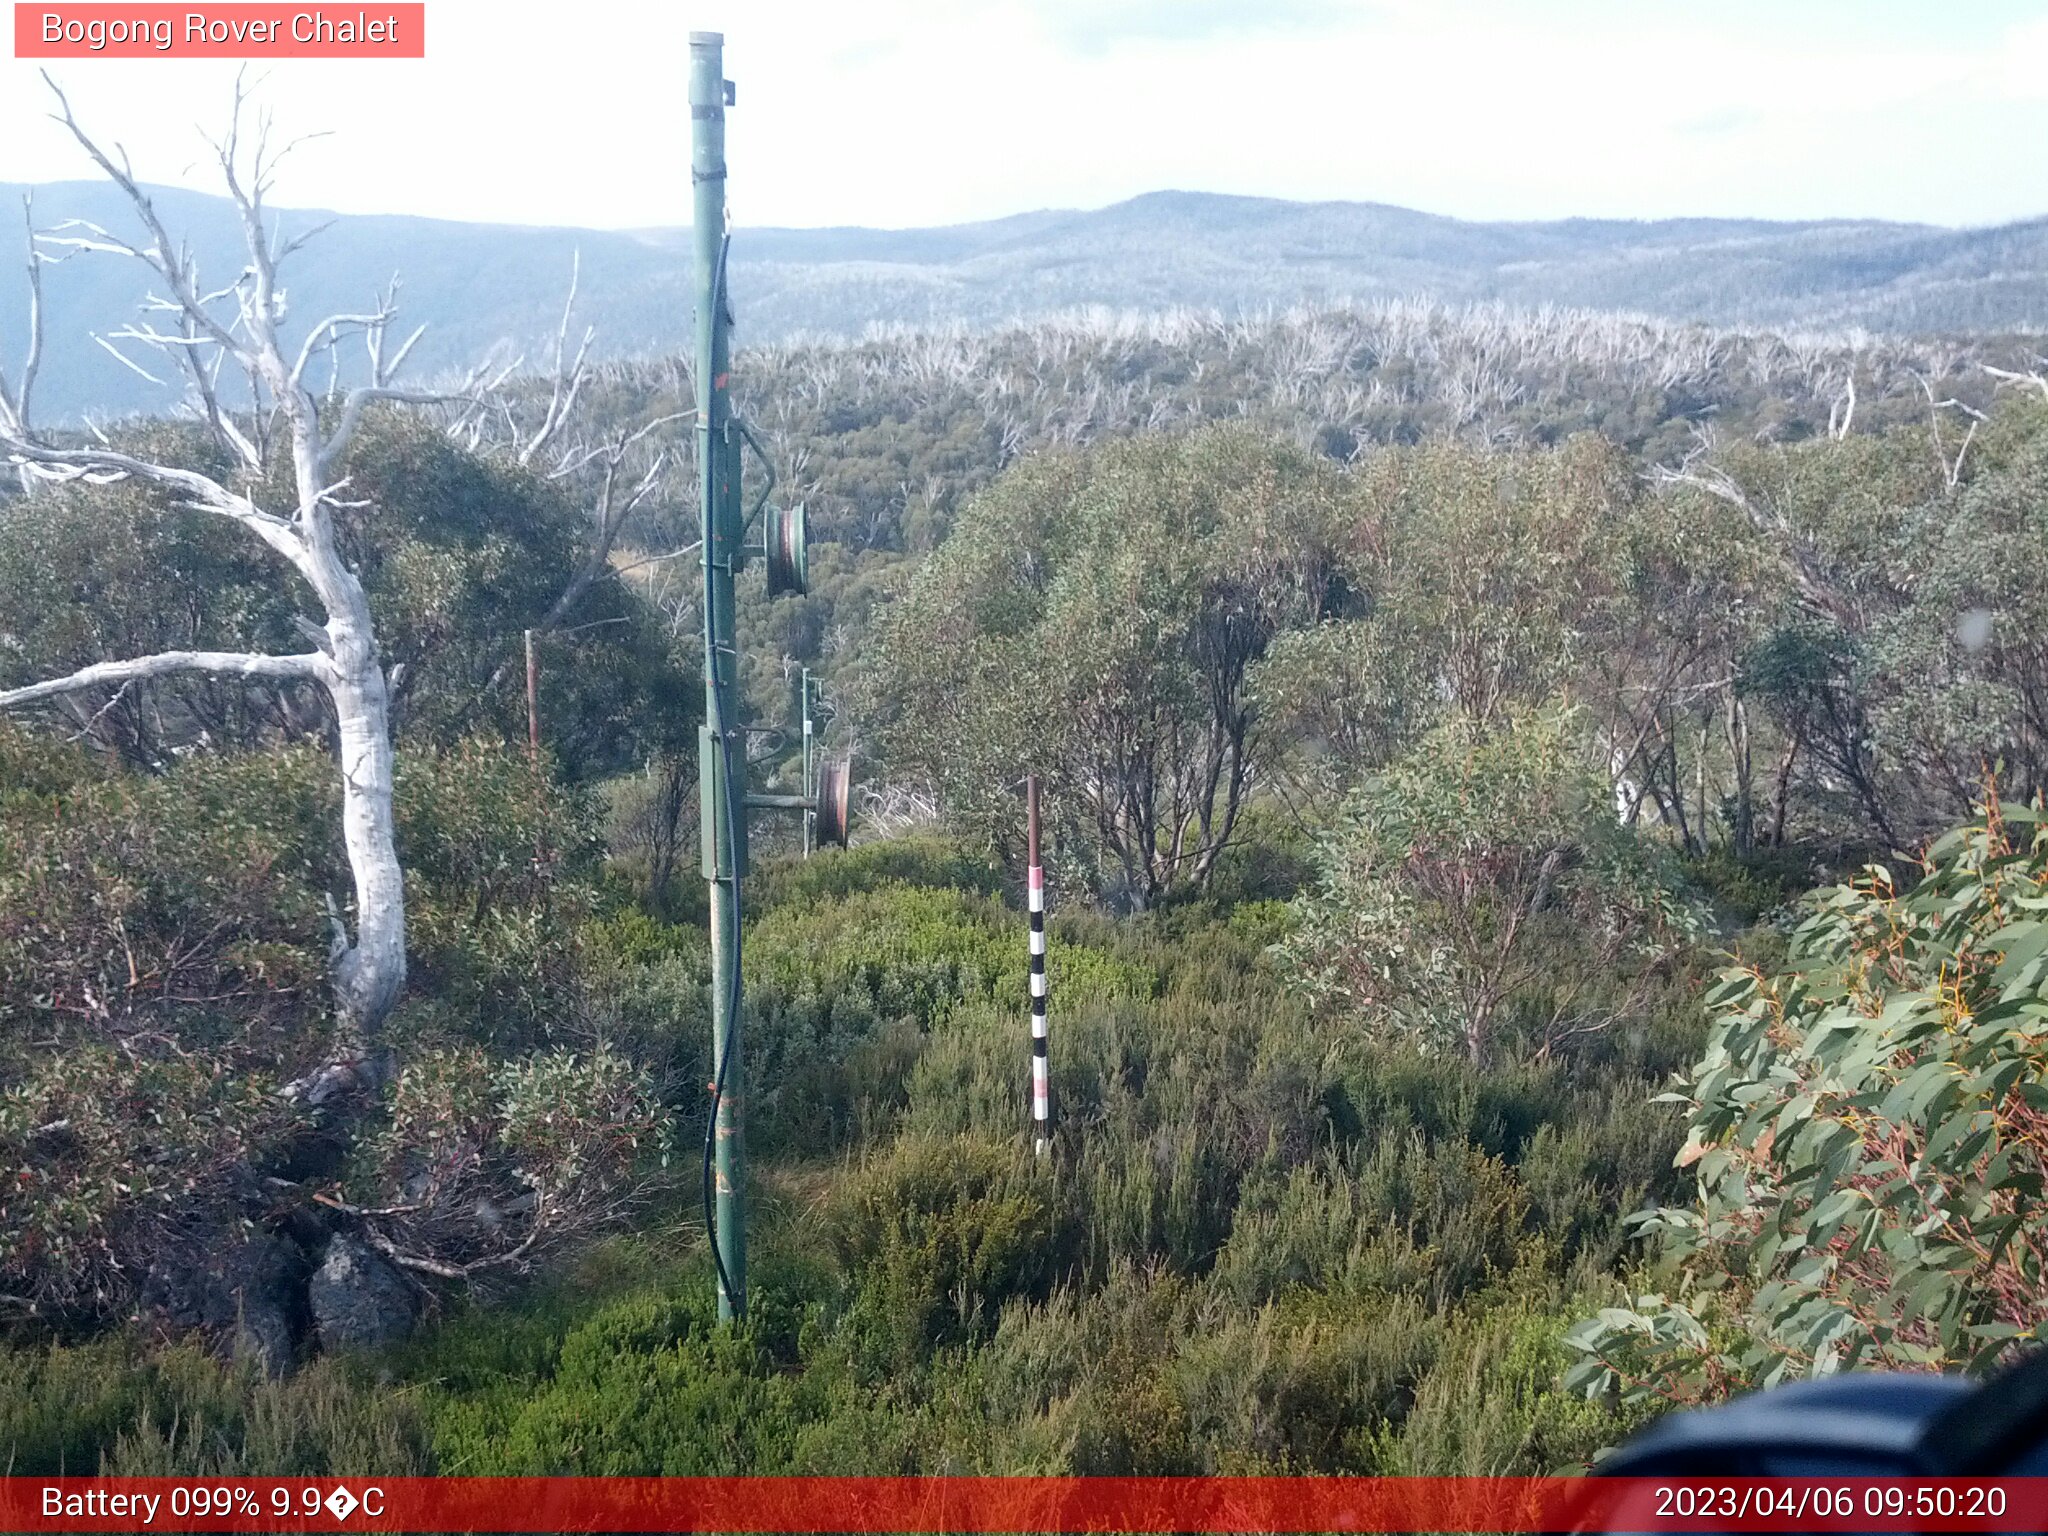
pixel 370 973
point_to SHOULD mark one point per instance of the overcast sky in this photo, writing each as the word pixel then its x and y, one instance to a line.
pixel 914 112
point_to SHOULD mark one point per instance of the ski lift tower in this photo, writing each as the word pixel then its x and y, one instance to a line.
pixel 723 798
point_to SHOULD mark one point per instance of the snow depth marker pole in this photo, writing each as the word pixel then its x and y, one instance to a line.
pixel 810 817
pixel 1041 1092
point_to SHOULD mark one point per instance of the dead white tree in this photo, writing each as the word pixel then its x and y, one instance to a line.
pixel 619 493
pixel 1842 410
pixel 2028 378
pixel 615 473
pixel 238 326
pixel 16 399
pixel 1951 467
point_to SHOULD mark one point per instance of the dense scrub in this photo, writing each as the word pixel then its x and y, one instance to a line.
pixel 161 946
pixel 1412 756
pixel 1262 1242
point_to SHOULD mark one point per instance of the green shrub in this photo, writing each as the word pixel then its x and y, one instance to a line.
pixel 1586 1173
pixel 161 971
pixel 842 992
pixel 1493 1406
pixel 1301 1388
pixel 36 764
pixel 119 1408
pixel 938 1234
pixel 163 948
pixel 1868 1133
pixel 650 1393
pixel 1090 1371
pixel 499 864
pixel 1402 1216
pixel 521 1157
pixel 1480 897
pixel 922 860
pixel 646 1384
pixel 1752 887
pixel 1381 1091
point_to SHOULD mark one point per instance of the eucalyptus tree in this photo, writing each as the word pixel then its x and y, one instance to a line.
pixel 1479 896
pixel 1472 585
pixel 1097 618
pixel 1866 1133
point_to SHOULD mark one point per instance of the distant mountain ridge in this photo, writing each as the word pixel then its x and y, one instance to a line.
pixel 481 286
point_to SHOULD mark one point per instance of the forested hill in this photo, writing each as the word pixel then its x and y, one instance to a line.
pixel 479 286
pixel 1187 248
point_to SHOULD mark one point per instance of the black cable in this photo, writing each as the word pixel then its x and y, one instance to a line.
pixel 732 1000
pixel 733 809
pixel 732 1015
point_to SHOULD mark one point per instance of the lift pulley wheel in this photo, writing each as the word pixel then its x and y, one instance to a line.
pixel 788 560
pixel 835 794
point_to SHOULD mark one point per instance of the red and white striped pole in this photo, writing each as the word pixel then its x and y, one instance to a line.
pixel 1041 1092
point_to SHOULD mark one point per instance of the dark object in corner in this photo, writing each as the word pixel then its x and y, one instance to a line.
pixel 1860 1424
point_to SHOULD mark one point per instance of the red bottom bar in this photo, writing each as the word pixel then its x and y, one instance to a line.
pixel 1022 1504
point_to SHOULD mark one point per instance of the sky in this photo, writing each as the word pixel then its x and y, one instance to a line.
pixel 903 113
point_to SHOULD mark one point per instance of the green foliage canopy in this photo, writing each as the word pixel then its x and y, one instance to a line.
pixel 1481 892
pixel 1868 1133
pixel 1095 618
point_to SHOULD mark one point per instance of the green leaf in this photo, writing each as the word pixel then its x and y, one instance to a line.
pixel 1831 1213
pixel 1951 1134
pixel 1905 1103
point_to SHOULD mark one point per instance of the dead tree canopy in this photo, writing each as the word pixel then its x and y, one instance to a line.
pixel 205 330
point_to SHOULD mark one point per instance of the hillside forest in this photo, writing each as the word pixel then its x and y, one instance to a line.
pixel 1544 838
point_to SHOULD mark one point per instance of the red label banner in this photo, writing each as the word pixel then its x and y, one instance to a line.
pixel 228 31
pixel 1022 1504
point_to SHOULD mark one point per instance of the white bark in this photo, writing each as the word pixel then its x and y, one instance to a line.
pixel 368 968
pixel 368 975
pixel 223 663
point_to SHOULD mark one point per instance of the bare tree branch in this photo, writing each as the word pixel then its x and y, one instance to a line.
pixel 2009 376
pixel 567 384
pixel 1951 469
pixel 220 663
pixel 352 413
pixel 327 332
pixel 168 257
pixel 610 515
pixel 15 404
pixel 200 492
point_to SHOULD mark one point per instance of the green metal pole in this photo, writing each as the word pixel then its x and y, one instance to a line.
pixel 808 787
pixel 721 741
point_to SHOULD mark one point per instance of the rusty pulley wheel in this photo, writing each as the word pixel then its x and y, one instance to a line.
pixel 835 795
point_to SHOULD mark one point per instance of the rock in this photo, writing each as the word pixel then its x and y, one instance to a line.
pixel 359 1300
pixel 244 1293
pixel 267 1334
